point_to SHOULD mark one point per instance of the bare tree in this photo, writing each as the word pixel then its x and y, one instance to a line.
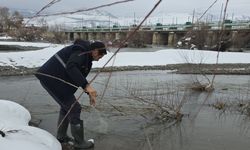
pixel 55 35
pixel 16 20
pixel 4 16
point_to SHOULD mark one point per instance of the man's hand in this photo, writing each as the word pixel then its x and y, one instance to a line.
pixel 92 100
pixel 92 94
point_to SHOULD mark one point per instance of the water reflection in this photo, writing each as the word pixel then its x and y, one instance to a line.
pixel 203 127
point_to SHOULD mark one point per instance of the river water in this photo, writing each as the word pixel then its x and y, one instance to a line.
pixel 117 122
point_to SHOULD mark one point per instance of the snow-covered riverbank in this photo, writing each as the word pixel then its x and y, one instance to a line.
pixel 26 62
pixel 36 58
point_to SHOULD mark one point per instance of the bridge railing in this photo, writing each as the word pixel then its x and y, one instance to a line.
pixel 178 27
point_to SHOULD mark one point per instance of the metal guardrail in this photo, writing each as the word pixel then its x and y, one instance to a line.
pixel 212 26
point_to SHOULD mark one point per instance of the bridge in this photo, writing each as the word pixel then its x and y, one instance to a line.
pixel 159 34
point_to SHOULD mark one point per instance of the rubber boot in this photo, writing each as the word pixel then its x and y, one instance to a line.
pixel 62 136
pixel 78 134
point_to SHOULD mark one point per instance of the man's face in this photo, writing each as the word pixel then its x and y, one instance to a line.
pixel 95 54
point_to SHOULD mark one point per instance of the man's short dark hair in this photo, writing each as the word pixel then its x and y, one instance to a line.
pixel 100 46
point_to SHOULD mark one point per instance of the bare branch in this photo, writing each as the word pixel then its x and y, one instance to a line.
pixel 220 39
pixel 128 37
pixel 121 45
pixel 207 10
pixel 45 7
pixel 107 83
pixel 82 10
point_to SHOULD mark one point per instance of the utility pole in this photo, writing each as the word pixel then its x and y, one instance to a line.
pixel 193 16
pixel 109 23
pixel 82 22
pixel 134 19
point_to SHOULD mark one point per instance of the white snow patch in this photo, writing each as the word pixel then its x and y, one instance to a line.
pixel 163 57
pixel 18 135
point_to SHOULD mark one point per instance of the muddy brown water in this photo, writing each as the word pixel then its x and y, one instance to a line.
pixel 202 127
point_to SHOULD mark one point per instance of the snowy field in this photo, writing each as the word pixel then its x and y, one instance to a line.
pixel 36 58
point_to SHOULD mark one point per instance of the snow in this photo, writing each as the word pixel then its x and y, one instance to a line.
pixel 93 19
pixel 15 118
pixel 28 58
pixel 25 43
pixel 6 38
pixel 18 134
pixel 166 56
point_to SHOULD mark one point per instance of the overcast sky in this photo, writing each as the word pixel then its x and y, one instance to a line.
pixel 138 7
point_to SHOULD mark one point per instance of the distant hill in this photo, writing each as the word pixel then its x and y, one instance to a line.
pixel 100 18
pixel 88 19
pixel 96 18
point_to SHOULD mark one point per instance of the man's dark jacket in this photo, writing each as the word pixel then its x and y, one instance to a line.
pixel 71 64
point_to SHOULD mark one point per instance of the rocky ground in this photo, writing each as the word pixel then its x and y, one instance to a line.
pixel 237 69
